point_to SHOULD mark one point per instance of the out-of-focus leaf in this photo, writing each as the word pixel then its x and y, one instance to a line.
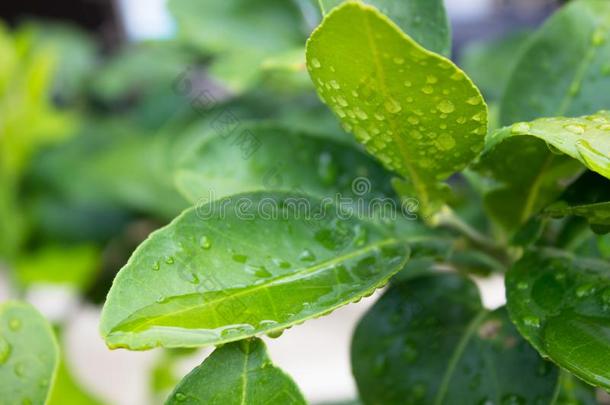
pixel 72 265
pixel 242 266
pixel 240 34
pixel 423 20
pixel 239 373
pixel 564 69
pixel 413 109
pixel 560 304
pixel 28 355
pixel 112 162
pixel 271 157
pixel 490 63
pixel 535 161
pixel 575 392
pixel 430 341
pixel 588 197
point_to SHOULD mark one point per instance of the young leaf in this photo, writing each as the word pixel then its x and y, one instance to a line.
pixel 423 20
pixel 267 160
pixel 412 109
pixel 245 265
pixel 564 70
pixel 239 373
pixel 430 341
pixel 588 197
pixel 28 355
pixel 560 304
pixel 533 162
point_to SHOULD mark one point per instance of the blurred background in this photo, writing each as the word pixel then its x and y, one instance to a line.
pixel 99 102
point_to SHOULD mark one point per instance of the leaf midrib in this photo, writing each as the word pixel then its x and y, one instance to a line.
pixel 419 185
pixel 279 280
pixel 457 354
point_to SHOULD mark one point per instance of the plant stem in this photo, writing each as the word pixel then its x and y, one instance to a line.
pixel 321 7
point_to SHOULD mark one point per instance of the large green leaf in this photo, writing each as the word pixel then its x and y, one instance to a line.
pixel 424 20
pixel 239 373
pixel 560 304
pixel 272 157
pixel 28 355
pixel 588 197
pixel 536 160
pixel 413 109
pixel 245 265
pixel 430 341
pixel 564 70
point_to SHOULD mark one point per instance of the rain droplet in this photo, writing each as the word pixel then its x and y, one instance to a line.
pixel 316 63
pixel 258 271
pixel 335 85
pixel 240 258
pixel 575 129
pixel 521 128
pixel 392 106
pixel 585 290
pixel 342 101
pixel 431 79
pixel 427 90
pixel 169 260
pixel 5 350
pixel 361 114
pixel 14 324
pixel 532 321
pixel 446 107
pixel 399 61
pixel 275 334
pixel 205 242
pixel 180 397
pixel 445 142
pixel 156 266
pixel 307 256
pixel 474 100
pixel 407 83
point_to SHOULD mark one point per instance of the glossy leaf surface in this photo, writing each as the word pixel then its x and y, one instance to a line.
pixel 28 355
pixel 424 20
pixel 564 70
pixel 242 266
pixel 561 305
pixel 272 158
pixel 414 110
pixel 239 373
pixel 430 341
pixel 536 160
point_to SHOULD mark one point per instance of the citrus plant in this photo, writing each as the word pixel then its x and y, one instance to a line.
pixel 287 219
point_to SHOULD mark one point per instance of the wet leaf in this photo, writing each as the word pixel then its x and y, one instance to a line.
pixel 423 20
pixel 430 341
pixel 28 355
pixel 536 160
pixel 239 373
pixel 414 110
pixel 564 69
pixel 245 265
pixel 561 305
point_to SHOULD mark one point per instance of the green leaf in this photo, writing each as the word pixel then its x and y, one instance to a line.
pixel 430 341
pixel 242 34
pixel 245 265
pixel 575 392
pixel 423 20
pixel 28 354
pixel 564 69
pixel 265 158
pixel 75 266
pixel 67 391
pixel 490 63
pixel 535 161
pixel 560 304
pixel 239 373
pixel 412 109
pixel 588 197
